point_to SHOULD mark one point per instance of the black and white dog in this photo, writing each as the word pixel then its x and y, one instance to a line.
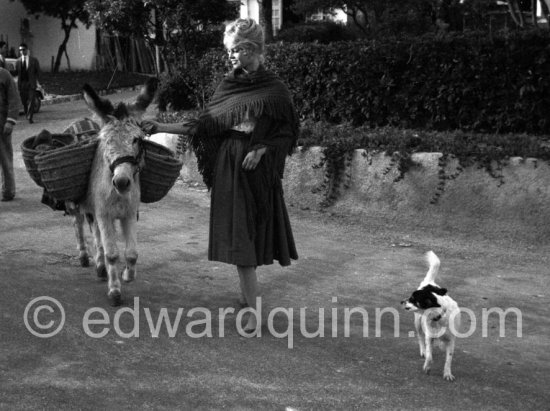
pixel 437 317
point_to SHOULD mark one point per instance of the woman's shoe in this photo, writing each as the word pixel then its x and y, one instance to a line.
pixel 252 332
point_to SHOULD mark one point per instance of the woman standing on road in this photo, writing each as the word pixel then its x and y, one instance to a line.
pixel 241 141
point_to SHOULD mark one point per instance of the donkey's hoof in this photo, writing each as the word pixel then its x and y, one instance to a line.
pixel 115 298
pixel 84 261
pixel 101 272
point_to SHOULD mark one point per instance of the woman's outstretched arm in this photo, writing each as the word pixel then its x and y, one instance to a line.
pixel 152 127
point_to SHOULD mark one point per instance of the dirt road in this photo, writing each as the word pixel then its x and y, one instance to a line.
pixel 129 359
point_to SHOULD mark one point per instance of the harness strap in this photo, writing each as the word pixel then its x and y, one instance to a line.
pixel 124 159
pixel 129 159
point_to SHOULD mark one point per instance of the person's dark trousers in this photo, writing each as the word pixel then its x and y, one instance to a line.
pixel 27 94
pixel 6 162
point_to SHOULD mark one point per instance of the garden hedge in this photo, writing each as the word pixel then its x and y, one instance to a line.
pixel 471 82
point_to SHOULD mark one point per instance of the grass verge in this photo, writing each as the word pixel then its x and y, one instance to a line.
pixel 67 83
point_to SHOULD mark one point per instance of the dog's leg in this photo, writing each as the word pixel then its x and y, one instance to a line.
pixel 419 334
pixel 450 349
pixel 428 353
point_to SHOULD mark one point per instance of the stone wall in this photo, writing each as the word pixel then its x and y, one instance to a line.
pixel 472 201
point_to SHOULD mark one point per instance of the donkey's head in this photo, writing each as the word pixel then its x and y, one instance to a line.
pixel 121 134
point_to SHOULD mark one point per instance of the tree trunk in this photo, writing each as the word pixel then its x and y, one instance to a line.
pixel 68 60
pixel 515 13
pixel 266 18
pixel 63 47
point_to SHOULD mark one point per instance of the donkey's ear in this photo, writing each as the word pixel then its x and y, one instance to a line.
pixel 147 94
pixel 100 106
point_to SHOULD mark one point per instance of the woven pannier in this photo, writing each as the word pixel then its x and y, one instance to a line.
pixel 159 173
pixel 65 172
pixel 30 150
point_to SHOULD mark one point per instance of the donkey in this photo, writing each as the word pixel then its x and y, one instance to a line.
pixel 114 190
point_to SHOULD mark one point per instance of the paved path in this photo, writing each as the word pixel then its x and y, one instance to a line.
pixel 344 263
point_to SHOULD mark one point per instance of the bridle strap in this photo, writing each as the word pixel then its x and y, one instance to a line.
pixel 125 159
pixel 129 159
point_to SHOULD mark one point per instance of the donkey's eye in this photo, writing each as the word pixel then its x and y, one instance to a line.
pixel 136 140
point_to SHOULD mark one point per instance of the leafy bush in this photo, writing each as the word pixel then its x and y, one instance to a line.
pixel 468 82
pixel 191 87
pixel 463 82
pixel 322 32
pixel 175 93
pixel 488 151
pixel 413 20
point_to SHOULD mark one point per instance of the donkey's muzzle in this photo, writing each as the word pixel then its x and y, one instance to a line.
pixel 122 183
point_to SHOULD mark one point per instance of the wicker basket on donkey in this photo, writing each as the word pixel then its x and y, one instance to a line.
pixel 65 172
pixel 159 173
pixel 32 147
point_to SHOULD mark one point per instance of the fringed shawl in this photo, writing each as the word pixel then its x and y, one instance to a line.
pixel 238 96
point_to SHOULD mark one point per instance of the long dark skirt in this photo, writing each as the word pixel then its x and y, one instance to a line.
pixel 240 232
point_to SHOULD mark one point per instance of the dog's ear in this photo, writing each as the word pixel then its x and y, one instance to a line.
pixel 424 299
pixel 436 290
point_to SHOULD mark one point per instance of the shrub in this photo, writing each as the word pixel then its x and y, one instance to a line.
pixel 175 92
pixel 322 32
pixel 191 87
pixel 467 81
pixel 463 82
pixel 488 151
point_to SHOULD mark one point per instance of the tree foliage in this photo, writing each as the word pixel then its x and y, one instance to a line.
pixel 367 15
pixel 382 16
pixel 178 27
pixel 122 17
pixel 68 11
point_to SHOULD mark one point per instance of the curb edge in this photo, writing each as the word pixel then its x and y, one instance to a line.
pixel 75 97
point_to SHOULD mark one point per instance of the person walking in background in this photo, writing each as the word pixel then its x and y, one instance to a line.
pixel 3 53
pixel 28 74
pixel 241 142
pixel 10 104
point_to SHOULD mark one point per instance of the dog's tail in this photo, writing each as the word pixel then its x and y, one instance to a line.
pixel 433 262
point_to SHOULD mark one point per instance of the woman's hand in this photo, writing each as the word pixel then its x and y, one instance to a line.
pixel 253 158
pixel 8 128
pixel 150 126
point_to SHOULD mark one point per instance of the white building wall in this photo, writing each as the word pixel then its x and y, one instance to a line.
pixel 277 16
pixel 46 36
pixel 251 9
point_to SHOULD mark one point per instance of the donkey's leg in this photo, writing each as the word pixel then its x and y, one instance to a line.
pixel 78 224
pixel 129 231
pixel 108 238
pixel 100 268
